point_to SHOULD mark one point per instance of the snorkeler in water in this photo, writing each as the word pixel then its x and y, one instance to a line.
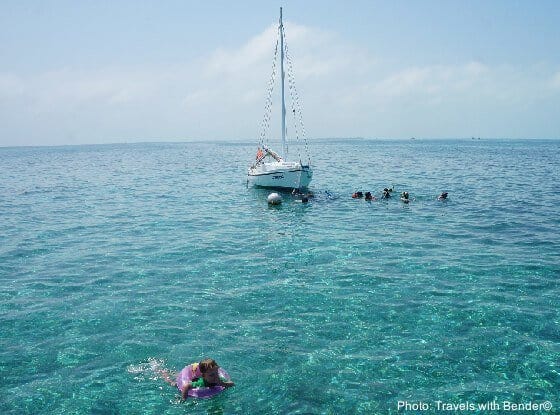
pixel 386 194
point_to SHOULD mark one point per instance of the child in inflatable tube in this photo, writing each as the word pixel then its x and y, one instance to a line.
pixel 200 380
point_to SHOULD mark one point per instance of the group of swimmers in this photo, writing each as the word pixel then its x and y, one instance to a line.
pixel 387 195
pixel 304 197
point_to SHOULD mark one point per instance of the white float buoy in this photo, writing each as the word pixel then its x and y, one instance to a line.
pixel 274 199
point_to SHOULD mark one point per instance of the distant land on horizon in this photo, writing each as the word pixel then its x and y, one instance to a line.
pixel 252 142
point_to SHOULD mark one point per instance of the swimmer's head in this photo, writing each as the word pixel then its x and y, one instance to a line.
pixel 209 369
pixel 207 364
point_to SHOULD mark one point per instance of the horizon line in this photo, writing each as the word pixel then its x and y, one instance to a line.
pixel 249 142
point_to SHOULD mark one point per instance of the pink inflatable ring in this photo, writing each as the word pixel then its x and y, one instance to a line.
pixel 187 375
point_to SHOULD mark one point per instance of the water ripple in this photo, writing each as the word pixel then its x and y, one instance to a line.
pixel 119 261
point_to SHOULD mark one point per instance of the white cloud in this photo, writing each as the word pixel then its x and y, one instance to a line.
pixel 10 86
pixel 555 83
pixel 257 51
pixel 345 91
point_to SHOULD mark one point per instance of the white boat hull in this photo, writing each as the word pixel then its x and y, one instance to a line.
pixel 280 175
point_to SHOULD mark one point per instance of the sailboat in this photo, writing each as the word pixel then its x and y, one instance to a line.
pixel 271 169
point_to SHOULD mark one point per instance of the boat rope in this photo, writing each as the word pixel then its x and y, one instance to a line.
pixel 291 88
pixel 265 125
pixel 296 106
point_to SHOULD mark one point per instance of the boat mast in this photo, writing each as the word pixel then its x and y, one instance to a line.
pixel 284 144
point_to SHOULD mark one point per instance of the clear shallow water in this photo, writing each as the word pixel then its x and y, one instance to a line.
pixel 118 260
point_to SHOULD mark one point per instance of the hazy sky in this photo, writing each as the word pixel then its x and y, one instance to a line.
pixel 75 72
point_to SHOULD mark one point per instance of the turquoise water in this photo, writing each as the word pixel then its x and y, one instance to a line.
pixel 119 260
